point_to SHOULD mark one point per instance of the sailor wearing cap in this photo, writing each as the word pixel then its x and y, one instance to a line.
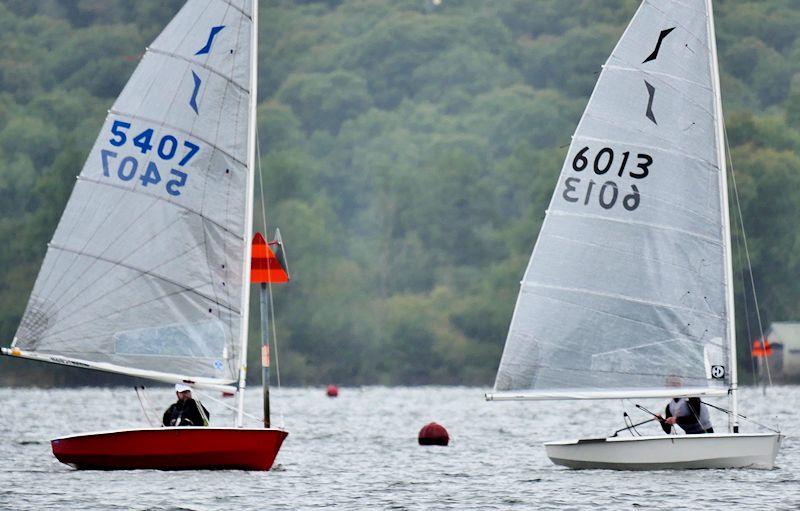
pixel 186 411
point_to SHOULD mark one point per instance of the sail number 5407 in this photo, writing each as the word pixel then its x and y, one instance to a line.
pixel 167 148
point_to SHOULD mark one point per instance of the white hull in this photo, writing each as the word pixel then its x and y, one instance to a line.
pixel 668 452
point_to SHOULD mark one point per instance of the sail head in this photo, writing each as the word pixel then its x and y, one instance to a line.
pixel 625 292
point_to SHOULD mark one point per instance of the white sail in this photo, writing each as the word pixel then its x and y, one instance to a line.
pixel 144 273
pixel 626 290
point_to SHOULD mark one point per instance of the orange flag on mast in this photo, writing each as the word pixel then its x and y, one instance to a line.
pixel 266 266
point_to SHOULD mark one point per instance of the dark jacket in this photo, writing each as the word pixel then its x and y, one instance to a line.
pixel 186 413
pixel 689 423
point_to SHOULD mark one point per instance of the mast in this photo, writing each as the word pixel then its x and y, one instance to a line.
pixel 733 421
pixel 265 305
pixel 248 221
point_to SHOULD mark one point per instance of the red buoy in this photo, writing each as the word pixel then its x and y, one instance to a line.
pixel 332 391
pixel 433 434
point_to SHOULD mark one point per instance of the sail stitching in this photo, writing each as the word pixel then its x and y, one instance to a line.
pixel 124 284
pixel 531 284
pixel 614 123
pixel 656 74
pixel 709 165
pixel 164 199
pixel 565 343
pixel 607 371
pixel 196 63
pixel 77 278
pixel 695 271
pixel 236 7
pixel 176 128
pixel 113 313
pixel 100 277
pixel 633 222
pixel 143 271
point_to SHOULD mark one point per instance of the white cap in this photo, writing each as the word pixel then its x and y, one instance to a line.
pixel 180 387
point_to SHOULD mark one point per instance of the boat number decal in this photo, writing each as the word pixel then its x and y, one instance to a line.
pixel 168 148
pixel 718 372
pixel 608 193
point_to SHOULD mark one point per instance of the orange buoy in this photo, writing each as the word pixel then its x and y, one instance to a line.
pixel 332 391
pixel 433 434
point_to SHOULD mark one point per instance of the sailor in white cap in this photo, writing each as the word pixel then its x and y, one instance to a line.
pixel 186 411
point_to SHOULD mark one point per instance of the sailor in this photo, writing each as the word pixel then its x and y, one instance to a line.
pixel 186 411
pixel 689 413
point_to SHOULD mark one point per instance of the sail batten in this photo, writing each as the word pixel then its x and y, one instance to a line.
pixel 144 272
pixel 624 294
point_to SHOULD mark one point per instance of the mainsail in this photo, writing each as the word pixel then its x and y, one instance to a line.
pixel 146 273
pixel 626 292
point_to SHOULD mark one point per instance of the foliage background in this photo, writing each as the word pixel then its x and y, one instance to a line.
pixel 409 151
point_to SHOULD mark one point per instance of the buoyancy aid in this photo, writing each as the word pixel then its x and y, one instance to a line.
pixel 681 408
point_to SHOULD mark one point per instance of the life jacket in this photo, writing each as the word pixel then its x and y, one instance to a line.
pixel 680 408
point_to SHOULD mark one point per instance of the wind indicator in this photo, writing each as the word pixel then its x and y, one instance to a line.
pixel 268 264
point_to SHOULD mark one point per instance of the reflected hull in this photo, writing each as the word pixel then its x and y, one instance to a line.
pixel 172 448
pixel 668 452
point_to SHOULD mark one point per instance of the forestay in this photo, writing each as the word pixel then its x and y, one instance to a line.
pixel 625 293
pixel 145 270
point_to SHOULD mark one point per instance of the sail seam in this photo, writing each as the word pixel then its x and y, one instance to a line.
pixel 144 272
pixel 182 130
pixel 122 285
pixel 168 201
pixel 195 63
pixel 238 9
pixel 631 222
pixel 526 285
pixel 712 166
pixel 132 307
pixel 695 271
pixel 659 75
pixel 604 371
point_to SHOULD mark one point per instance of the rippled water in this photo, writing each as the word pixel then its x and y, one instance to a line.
pixel 359 451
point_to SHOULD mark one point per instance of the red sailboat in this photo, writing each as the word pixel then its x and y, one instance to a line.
pixel 148 273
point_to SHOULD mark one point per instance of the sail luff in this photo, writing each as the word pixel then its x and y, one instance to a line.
pixel 733 419
pixel 251 156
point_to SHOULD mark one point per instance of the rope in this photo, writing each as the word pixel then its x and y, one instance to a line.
pixel 229 407
pixel 269 284
pixel 746 251
pixel 144 410
pixel 741 417
pixel 740 251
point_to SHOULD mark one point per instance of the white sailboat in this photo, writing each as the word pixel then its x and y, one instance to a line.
pixel 148 272
pixel 629 288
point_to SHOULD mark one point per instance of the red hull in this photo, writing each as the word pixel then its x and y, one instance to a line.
pixel 172 449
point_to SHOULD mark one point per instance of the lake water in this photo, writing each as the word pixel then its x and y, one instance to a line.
pixel 359 451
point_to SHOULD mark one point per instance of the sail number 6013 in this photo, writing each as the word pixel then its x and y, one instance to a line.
pixel 604 161
pixel 607 195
